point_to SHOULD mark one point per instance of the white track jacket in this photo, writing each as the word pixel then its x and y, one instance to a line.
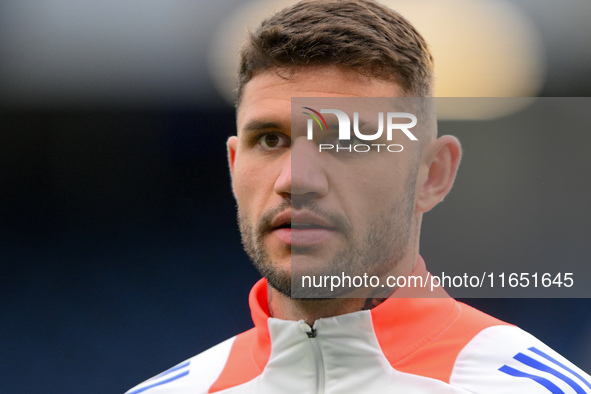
pixel 404 345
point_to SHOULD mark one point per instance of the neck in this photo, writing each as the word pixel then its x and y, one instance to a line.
pixel 309 310
pixel 287 308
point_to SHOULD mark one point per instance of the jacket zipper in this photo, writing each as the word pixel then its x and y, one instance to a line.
pixel 311 333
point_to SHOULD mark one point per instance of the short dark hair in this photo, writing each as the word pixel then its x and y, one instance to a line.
pixel 361 35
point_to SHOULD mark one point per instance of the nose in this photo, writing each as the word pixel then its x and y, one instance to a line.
pixel 303 173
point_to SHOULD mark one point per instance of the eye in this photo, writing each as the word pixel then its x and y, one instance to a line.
pixel 349 143
pixel 334 140
pixel 273 141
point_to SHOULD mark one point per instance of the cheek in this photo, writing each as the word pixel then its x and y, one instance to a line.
pixel 370 194
pixel 374 195
pixel 249 187
pixel 242 182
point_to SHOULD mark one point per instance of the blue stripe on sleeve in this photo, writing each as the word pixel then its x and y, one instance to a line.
pixel 538 379
pixel 171 370
pixel 549 358
pixel 160 383
pixel 527 360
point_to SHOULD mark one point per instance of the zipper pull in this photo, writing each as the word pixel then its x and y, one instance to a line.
pixel 309 331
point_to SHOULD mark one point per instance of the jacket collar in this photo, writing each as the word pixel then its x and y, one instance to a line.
pixel 402 323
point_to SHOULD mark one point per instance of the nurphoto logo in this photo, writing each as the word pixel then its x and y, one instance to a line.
pixel 347 143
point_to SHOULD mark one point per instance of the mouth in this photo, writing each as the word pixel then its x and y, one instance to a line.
pixel 301 226
pixel 302 229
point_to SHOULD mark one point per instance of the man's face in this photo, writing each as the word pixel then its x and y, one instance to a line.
pixel 316 212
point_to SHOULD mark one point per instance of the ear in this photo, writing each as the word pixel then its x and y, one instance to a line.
pixel 437 172
pixel 232 144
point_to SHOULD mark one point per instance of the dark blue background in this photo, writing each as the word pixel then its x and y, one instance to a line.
pixel 120 255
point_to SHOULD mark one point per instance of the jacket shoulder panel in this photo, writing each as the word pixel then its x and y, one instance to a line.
pixel 246 360
pixel 506 359
pixel 193 376
pixel 437 342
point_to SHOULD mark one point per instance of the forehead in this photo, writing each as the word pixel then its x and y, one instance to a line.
pixel 270 93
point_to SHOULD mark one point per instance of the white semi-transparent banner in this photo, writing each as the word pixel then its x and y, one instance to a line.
pixel 369 175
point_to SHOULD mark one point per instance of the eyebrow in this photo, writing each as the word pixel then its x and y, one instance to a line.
pixel 333 126
pixel 257 125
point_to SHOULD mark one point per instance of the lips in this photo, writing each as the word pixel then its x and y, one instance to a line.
pixel 302 228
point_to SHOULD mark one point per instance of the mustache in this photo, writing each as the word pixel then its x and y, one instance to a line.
pixel 339 222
